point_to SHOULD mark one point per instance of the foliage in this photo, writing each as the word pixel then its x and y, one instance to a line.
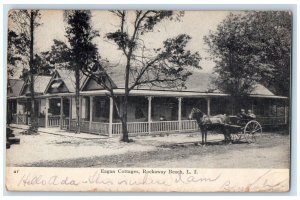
pixel 251 48
pixel 163 67
pixel 79 53
pixel 80 35
pixel 168 66
pixel 21 48
pixel 19 38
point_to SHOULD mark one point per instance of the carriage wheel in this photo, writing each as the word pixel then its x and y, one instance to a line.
pixel 252 130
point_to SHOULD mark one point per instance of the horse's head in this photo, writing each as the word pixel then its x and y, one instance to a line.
pixel 196 113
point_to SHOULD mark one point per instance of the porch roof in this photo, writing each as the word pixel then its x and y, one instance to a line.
pixel 154 93
pixel 158 93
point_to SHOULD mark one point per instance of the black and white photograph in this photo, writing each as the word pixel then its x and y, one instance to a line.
pixel 148 93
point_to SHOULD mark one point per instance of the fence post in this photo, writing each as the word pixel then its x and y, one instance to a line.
pixel 149 114
pixel 61 112
pixel 70 112
pixel 179 114
pixel 80 112
pixel 46 113
pixel 111 110
pixel 91 113
pixel 17 121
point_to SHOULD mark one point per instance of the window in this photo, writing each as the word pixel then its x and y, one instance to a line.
pixel 139 113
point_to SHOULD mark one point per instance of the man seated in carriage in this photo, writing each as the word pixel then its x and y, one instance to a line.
pixel 242 114
pixel 245 117
pixel 251 115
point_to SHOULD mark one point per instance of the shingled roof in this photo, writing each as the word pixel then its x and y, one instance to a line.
pixel 40 84
pixel 197 82
pixel 68 77
pixel 14 87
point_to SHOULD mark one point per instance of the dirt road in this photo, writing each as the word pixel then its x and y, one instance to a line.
pixel 272 151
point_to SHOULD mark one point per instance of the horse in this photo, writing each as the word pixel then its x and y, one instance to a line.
pixel 205 123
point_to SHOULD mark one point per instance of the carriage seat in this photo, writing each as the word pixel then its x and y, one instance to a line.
pixel 217 119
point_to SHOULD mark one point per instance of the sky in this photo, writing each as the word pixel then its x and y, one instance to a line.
pixel 197 24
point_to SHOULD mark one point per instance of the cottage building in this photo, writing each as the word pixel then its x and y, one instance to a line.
pixel 151 109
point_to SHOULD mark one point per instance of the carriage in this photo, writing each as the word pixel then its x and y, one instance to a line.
pixel 235 128
pixel 243 129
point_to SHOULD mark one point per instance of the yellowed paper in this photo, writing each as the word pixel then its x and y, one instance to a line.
pixel 147 179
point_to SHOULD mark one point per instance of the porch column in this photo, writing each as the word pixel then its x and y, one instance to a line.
pixel 285 113
pixel 91 113
pixel 80 110
pixel 111 114
pixel 17 110
pixel 70 112
pixel 149 114
pixel 208 106
pixel 179 113
pixel 61 112
pixel 46 113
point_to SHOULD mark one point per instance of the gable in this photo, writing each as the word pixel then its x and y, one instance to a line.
pixel 57 85
pixel 40 84
pixel 14 87
pixel 90 84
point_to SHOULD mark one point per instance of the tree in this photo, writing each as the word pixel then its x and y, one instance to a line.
pixel 81 51
pixel 13 57
pixel 167 66
pixel 251 48
pixel 21 48
pixel 273 37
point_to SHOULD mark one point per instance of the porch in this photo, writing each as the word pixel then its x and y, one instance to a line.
pixel 147 115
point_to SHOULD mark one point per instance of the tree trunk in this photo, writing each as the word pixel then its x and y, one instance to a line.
pixel 124 119
pixel 125 101
pixel 77 96
pixel 33 117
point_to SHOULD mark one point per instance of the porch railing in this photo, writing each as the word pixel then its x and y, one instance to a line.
pixel 14 118
pixel 155 127
pixel 99 127
pixel 164 126
pixel 96 127
pixel 273 121
pixel 41 122
pixel 54 121
pixel 189 125
pixel 132 127
pixel 21 119
pixel 84 126
pixel 65 123
pixel 135 127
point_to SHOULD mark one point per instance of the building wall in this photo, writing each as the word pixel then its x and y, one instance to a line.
pixel 21 107
pixel 73 108
pixel 100 109
pixel 84 108
pixel 166 108
pixel 43 107
pixel 137 109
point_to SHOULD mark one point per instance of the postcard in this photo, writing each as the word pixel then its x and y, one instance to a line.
pixel 148 101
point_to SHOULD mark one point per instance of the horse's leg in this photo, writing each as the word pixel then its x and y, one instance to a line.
pixel 202 134
pixel 227 135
